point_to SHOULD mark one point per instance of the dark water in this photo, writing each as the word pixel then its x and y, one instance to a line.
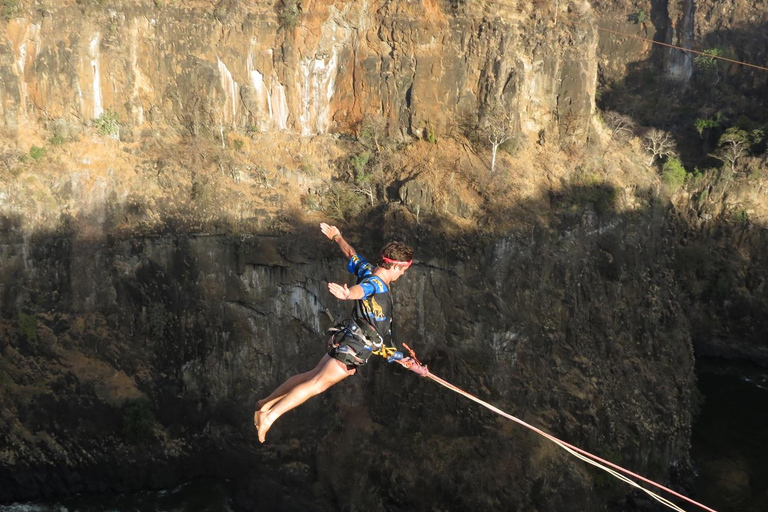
pixel 730 453
pixel 207 495
pixel 730 438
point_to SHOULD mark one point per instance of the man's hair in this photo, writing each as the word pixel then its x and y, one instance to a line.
pixel 397 251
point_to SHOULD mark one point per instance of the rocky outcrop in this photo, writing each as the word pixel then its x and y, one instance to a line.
pixel 721 265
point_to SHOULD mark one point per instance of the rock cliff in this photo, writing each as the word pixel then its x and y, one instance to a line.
pixel 200 67
pixel 154 352
pixel 161 269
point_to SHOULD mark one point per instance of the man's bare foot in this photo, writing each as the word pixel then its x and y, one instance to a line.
pixel 260 404
pixel 264 422
pixel 256 419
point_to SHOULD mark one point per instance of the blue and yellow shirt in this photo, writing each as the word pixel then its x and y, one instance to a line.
pixel 376 306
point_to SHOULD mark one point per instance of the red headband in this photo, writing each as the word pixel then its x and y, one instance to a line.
pixel 406 264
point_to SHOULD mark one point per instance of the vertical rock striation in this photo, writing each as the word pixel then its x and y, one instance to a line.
pixel 421 66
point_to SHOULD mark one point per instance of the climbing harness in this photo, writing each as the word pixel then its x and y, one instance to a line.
pixel 413 364
pixel 354 341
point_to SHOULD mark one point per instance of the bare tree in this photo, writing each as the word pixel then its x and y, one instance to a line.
pixel 733 145
pixel 499 126
pixel 659 144
pixel 373 133
pixel 366 188
pixel 619 124
pixel 363 178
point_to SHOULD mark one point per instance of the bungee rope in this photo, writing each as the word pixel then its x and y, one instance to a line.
pixel 412 363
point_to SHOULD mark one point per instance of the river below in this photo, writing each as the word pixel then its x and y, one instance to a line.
pixel 730 437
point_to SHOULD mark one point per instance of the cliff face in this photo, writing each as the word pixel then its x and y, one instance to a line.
pixel 153 350
pixel 200 68
pixel 150 354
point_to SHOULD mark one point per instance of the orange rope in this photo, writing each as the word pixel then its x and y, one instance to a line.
pixel 422 370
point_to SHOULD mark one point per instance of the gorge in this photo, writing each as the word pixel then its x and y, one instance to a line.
pixel 164 168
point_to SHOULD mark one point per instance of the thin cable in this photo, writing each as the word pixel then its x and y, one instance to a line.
pixel 616 32
pixel 578 452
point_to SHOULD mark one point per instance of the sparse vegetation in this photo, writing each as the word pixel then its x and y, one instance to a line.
pixel 290 14
pixel 94 3
pixel 373 134
pixel 10 8
pixel 341 202
pixel 741 217
pixel 108 123
pixel 36 152
pixel 138 420
pixel 27 326
pixel 363 178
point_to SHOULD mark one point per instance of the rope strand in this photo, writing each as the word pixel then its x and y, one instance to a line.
pixel 581 454
pixel 682 49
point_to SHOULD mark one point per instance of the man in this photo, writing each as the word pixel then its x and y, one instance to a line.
pixel 364 335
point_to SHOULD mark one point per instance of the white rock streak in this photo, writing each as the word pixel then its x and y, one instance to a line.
pixel 25 59
pixel 93 53
pixel 231 92
pixel 270 97
pixel 317 88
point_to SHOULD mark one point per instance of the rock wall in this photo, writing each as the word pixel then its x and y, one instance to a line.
pixel 196 68
pixel 155 351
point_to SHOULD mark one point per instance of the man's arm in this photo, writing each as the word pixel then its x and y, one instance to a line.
pixel 342 292
pixel 333 233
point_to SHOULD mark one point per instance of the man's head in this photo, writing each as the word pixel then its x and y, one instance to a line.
pixel 397 256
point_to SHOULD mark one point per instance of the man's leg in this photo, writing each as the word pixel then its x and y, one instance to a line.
pixel 331 372
pixel 267 403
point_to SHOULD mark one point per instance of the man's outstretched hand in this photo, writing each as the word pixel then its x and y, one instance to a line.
pixel 339 291
pixel 329 231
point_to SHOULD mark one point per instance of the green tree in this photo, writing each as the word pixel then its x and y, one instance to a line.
pixel 28 326
pixel 673 173
pixel 9 8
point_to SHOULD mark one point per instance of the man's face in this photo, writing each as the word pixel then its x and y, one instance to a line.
pixel 399 271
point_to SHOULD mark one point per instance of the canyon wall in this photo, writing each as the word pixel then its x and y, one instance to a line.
pixel 200 68
pixel 131 361
pixel 575 328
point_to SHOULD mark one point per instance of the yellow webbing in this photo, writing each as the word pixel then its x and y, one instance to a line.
pixel 385 351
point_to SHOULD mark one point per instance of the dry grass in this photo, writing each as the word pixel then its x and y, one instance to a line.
pixel 96 185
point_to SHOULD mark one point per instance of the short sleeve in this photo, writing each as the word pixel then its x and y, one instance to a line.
pixel 372 285
pixel 359 266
